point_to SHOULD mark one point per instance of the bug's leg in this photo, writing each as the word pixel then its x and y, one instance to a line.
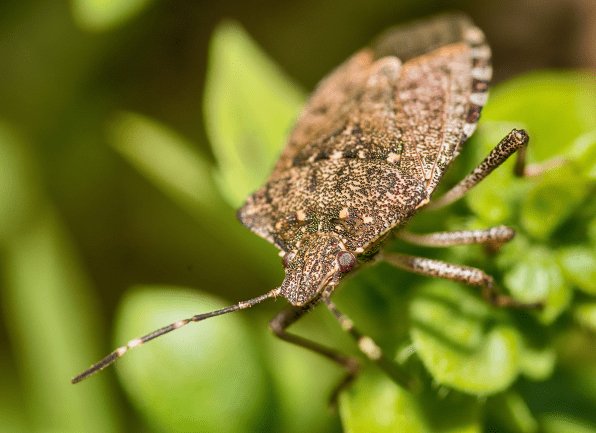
pixel 286 318
pixel 492 237
pixel 464 274
pixel 372 351
pixel 136 342
pixel 515 141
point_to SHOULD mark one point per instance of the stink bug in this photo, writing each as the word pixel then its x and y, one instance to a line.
pixel 366 154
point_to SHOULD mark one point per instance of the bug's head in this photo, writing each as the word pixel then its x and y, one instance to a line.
pixel 319 261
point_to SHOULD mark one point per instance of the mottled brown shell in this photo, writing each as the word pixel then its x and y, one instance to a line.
pixel 375 139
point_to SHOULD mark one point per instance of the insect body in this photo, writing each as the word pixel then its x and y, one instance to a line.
pixel 366 154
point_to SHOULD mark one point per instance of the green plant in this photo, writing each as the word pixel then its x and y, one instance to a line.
pixel 482 368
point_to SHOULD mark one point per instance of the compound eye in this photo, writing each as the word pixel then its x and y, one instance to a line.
pixel 287 258
pixel 346 261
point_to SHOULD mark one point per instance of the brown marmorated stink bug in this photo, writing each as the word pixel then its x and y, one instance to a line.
pixel 366 154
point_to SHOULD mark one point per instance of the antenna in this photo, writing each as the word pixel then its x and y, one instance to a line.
pixel 119 352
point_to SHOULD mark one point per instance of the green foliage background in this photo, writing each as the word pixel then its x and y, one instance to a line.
pixel 117 216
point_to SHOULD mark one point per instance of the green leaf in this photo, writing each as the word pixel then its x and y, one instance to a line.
pixel 579 265
pixel 583 154
pixel 166 159
pixel 585 315
pixel 537 277
pixel 100 15
pixel 461 343
pixel 555 107
pixel 538 363
pixel 50 317
pixel 375 404
pixel 205 377
pixel 249 108
pixel 549 202
pixel 513 412
pixel 19 192
pixel 557 423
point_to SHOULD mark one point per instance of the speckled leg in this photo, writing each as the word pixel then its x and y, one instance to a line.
pixel 372 351
pixel 465 274
pixel 493 237
pixel 515 141
pixel 286 318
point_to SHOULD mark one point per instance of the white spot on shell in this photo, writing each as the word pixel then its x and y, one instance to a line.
pixel 474 35
pixel 300 215
pixel 479 98
pixel 482 52
pixel 336 155
pixel 367 219
pixel 393 157
pixel 469 128
pixel 344 213
pixel 483 73
pixel 359 250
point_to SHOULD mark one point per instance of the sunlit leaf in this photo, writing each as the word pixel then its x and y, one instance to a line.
pixel 585 315
pixel 583 154
pixel 460 342
pixel 249 108
pixel 375 404
pixel 555 107
pixel 551 200
pixel 537 277
pixel 205 377
pixel 99 15
pixel 579 264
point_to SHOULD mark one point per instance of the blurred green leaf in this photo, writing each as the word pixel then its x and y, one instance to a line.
pixel 556 423
pixel 205 377
pixel 579 265
pixel 537 277
pixel 375 404
pixel 538 363
pixel 585 315
pixel 52 322
pixel 555 107
pixel 181 173
pixel 460 342
pixel 583 154
pixel 551 200
pixel 513 412
pixel 249 108
pixel 100 15
pixel 19 194
pixel 166 159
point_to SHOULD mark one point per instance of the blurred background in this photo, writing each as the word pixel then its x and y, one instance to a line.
pixel 81 220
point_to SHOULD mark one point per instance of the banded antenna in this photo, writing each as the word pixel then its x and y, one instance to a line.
pixel 119 352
